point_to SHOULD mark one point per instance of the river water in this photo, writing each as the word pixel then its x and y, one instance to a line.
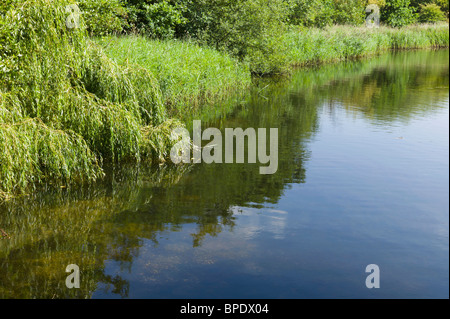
pixel 363 178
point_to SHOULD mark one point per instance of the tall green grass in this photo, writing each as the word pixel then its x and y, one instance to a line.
pixel 189 75
pixel 64 106
pixel 69 104
pixel 339 43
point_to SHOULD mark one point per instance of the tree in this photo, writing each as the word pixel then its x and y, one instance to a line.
pixel 398 13
pixel 431 13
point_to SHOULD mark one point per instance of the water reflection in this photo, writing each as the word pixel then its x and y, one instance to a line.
pixel 122 225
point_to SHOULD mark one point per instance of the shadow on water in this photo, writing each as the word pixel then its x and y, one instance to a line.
pixel 135 204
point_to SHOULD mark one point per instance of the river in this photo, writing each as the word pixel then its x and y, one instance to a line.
pixel 363 178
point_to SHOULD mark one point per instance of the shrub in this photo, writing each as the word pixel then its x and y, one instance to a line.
pixel 431 13
pixel 380 3
pixel 441 3
pixel 156 19
pixel 350 12
pixel 444 5
pixel 311 13
pixel 247 29
pixel 398 13
pixel 103 16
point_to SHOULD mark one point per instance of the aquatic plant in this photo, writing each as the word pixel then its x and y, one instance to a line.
pixel 340 43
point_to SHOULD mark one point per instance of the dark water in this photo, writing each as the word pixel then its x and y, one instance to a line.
pixel 363 179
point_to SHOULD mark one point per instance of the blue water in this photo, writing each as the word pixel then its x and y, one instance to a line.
pixel 363 179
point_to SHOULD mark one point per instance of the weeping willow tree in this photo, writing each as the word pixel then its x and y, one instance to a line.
pixel 65 108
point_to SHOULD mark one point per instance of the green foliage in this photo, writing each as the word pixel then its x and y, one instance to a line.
pixel 111 219
pixel 398 13
pixel 444 5
pixel 350 12
pixel 64 106
pixel 248 29
pixel 312 13
pixel 103 16
pixel 431 13
pixel 322 13
pixel 71 108
pixel 341 43
pixel 158 19
pixel 188 74
pixel 33 152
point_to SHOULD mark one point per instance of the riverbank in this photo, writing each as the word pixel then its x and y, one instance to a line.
pixel 340 43
pixel 190 75
pixel 362 145
pixel 66 111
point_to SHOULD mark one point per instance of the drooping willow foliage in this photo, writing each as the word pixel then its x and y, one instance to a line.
pixel 65 107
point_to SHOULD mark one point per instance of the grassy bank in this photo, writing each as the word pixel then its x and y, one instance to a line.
pixel 340 43
pixel 189 75
pixel 69 103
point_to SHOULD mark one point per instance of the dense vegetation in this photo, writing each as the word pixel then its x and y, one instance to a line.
pixel 340 43
pixel 113 220
pixel 72 99
pixel 249 30
pixel 189 75
pixel 64 106
pixel 201 18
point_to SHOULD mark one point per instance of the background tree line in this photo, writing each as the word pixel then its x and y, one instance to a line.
pixel 202 19
pixel 251 30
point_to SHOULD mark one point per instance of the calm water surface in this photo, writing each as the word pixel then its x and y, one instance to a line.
pixel 363 179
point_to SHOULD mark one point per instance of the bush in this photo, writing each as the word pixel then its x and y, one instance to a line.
pixel 247 29
pixel 103 17
pixel 311 13
pixel 444 5
pixel 350 12
pixel 398 13
pixel 430 13
pixel 380 3
pixel 156 19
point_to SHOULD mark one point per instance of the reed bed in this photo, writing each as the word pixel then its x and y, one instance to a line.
pixel 189 75
pixel 340 43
